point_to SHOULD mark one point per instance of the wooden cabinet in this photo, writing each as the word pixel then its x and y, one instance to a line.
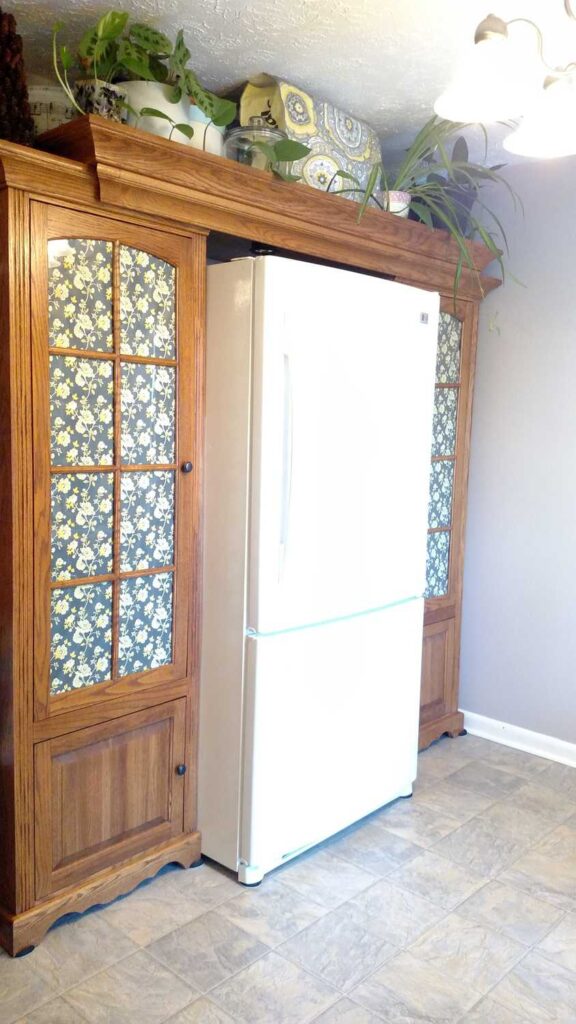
pixel 102 270
pixel 439 712
pixel 106 792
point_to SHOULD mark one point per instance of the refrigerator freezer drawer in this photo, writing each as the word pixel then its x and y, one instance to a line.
pixel 331 730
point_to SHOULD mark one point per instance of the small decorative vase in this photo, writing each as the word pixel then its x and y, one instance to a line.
pixel 98 97
pixel 397 203
pixel 207 136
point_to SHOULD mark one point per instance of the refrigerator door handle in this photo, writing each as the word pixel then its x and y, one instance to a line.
pixel 287 448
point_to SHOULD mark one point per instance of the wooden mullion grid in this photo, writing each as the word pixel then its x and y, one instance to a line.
pixel 81 353
pixel 116 468
pixel 110 577
pixel 140 468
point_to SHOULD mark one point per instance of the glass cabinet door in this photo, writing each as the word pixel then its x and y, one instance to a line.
pixel 444 445
pixel 114 454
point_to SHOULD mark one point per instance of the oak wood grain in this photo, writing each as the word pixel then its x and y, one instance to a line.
pixel 18 932
pixel 103 793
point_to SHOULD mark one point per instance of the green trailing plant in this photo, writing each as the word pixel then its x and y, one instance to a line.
pixel 184 82
pixel 445 190
pixel 110 52
pixel 183 127
pixel 114 51
pixel 285 151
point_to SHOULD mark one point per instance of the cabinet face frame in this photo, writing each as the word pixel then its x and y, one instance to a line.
pixel 444 716
pixel 51 222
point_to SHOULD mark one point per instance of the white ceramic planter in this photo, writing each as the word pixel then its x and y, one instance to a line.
pixel 153 94
pixel 206 136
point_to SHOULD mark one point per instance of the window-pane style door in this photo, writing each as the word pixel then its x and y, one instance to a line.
pixel 114 440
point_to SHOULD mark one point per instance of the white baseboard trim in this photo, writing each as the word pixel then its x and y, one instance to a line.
pixel 521 739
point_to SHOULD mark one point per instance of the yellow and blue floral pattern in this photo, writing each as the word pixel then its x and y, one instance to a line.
pixel 442 472
pixel 145 640
pixel 448 351
pixel 81 648
pixel 80 294
pixel 147 305
pixel 444 423
pixel 146 520
pixel 437 564
pixel 82 515
pixel 112 520
pixel 148 401
pixel 81 411
pixel 441 488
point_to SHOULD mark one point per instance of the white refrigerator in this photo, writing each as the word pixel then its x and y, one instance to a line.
pixel 320 386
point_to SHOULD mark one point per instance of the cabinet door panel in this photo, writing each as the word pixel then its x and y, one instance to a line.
pixel 105 792
pixel 438 670
pixel 115 413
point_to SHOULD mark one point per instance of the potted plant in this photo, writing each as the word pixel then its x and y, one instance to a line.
pixel 178 85
pixel 439 189
pixel 134 72
pixel 106 54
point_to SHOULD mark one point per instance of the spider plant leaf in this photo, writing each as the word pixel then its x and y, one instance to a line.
pixel 422 212
pixel 372 179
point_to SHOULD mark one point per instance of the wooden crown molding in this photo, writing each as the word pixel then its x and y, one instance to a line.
pixel 142 172
pixel 96 161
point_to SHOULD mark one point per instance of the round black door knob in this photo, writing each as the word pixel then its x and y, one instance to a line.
pixel 181 769
pixel 187 467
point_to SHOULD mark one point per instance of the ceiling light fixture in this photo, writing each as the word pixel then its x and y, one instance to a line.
pixel 502 79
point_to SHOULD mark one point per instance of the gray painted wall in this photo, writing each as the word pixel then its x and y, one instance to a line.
pixel 518 661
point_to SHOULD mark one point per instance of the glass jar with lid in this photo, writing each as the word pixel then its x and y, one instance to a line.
pixel 240 146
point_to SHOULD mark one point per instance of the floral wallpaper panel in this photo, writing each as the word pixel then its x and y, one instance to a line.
pixel 81 527
pixel 81 636
pixel 80 294
pixel 145 638
pixel 448 352
pixel 81 411
pixel 147 305
pixel 441 489
pixel 437 564
pixel 148 410
pixel 146 520
pixel 444 422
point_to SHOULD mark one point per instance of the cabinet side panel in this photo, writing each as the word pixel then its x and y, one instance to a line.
pixel 228 357
pixel 16 832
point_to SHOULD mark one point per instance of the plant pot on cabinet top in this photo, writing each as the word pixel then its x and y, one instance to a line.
pixel 156 96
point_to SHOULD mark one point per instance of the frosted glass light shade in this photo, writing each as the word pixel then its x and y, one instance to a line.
pixel 549 128
pixel 490 85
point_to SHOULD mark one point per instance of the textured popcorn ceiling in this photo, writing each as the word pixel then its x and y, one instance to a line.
pixel 383 60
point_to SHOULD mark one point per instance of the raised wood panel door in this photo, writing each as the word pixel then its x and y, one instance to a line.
pixel 115 446
pixel 104 793
pixel 446 519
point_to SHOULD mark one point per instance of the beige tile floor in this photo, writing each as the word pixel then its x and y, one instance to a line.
pixel 457 905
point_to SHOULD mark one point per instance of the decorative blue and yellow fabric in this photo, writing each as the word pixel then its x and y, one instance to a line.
pixel 338 141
